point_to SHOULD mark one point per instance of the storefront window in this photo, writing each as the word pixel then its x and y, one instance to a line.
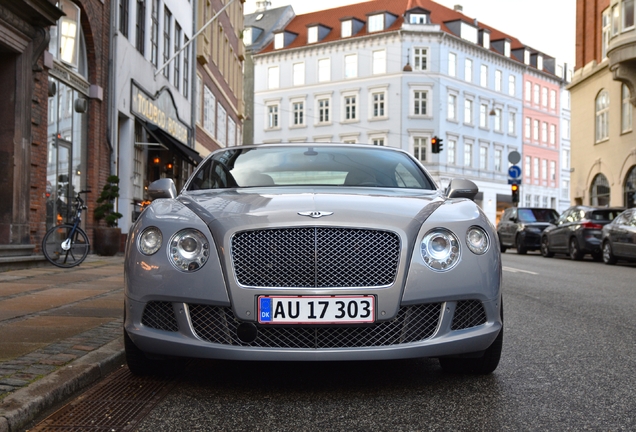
pixel 629 190
pixel 600 191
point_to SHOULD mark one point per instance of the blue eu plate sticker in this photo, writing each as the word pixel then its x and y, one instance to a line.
pixel 265 309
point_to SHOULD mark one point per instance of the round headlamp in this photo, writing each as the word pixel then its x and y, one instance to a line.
pixel 188 250
pixel 150 241
pixel 477 240
pixel 440 249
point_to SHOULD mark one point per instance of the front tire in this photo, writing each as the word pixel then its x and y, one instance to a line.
pixel 575 252
pixel 521 248
pixel 545 248
pixel 608 255
pixel 502 248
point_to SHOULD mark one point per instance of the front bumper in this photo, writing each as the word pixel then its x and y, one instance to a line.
pixel 452 328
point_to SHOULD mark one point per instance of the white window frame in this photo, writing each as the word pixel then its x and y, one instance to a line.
pixel 553 103
pixel 323 110
pixel 312 34
pixel 346 28
pixel 273 77
pixel 221 125
pixel 298 74
pixel 420 59
pixel 469 111
pixel 298 112
pixel 350 66
pixel 527 128
pixel 379 62
pixel 552 138
pixel 483 158
pixel 451 107
pixel 498 80
pixel 544 132
pixel 355 106
pixel 378 96
pixel 498 120
pixel 272 115
pixel 498 159
pixel 483 115
pixel 468 70
pixel 420 147
pixel 468 153
pixel 535 130
pixel 375 23
pixel 452 64
pixel 424 104
pixel 512 123
pixel 324 70
pixel 512 85
pixel 483 75
pixel 279 40
pixel 602 111
pixel 451 151
pixel 626 110
pixel 380 139
pixel 528 92
pixel 209 113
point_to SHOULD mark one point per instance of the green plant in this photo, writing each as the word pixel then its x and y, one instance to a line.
pixel 106 209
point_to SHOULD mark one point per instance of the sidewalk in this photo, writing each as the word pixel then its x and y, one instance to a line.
pixel 60 330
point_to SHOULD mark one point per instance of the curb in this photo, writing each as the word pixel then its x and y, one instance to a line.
pixel 26 404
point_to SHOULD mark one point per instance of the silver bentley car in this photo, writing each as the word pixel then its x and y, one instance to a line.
pixel 312 252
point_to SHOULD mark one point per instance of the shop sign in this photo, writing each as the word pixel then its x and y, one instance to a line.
pixel 161 111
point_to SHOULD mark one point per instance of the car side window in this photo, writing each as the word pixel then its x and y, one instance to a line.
pixel 632 221
pixel 565 217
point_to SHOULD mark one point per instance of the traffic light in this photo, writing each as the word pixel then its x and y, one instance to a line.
pixel 515 193
pixel 436 144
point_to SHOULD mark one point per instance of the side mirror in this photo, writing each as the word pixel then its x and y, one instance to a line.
pixel 462 188
pixel 162 188
pixel 513 219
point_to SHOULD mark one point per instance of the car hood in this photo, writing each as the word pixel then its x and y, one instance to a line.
pixel 233 209
pixel 539 225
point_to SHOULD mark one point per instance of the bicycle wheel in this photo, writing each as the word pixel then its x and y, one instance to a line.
pixel 61 252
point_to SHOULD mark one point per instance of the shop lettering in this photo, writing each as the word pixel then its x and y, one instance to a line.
pixel 149 109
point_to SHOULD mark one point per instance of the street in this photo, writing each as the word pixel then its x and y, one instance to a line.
pixel 568 364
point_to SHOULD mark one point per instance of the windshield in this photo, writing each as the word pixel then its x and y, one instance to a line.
pixel 310 166
pixel 604 215
pixel 538 215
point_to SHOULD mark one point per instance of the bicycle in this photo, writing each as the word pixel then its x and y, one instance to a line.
pixel 67 245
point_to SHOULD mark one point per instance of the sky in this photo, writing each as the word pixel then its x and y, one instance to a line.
pixel 545 25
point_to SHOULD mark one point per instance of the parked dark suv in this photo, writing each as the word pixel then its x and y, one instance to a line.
pixel 521 227
pixel 578 232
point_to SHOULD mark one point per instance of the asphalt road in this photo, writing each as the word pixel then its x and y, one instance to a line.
pixel 568 364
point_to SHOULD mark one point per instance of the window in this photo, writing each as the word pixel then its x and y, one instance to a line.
pixel 419 102
pixel 177 59
pixel 452 64
pixel 298 73
pixel 323 111
pixel 544 97
pixel 324 70
pixel 450 155
pixel 535 130
pixel 350 107
pixel 537 200
pixel 379 62
pixel 483 116
pixel 528 92
pixel 602 116
pixel 377 141
pixel 535 170
pixel 528 200
pixel 629 192
pixel 498 120
pixel 552 170
pixel 512 85
pixel 544 169
pixel 123 17
pixel 418 18
pixel 565 189
pixel 298 113
pixel 483 79
pixel 565 159
pixel 376 23
pixel 526 133
pixel 553 100
pixel 527 164
pixel 628 14
pixel 279 40
pixel 600 191
pixel 346 28
pixel 468 154
pixel 378 105
pixel 221 124
pixel 209 114
pixel 351 66
pixel 544 132
pixel 537 93
pixel 565 128
pixel 615 20
pixel 166 41
pixel 140 40
pixel 552 134
pixel 483 158
pixel 154 34
pixel 626 112
pixel 272 116
pixel 273 77
pixel 468 111
pixel 419 148
pixel 452 107
pixel 468 70
pixel 512 123
pixel 606 31
pixel 312 34
pixel 186 67
pixel 498 80
pixel 199 98
pixel 420 59
pixel 498 159
pixel 231 132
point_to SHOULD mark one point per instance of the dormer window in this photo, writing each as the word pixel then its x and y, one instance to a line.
pixel 540 62
pixel 507 48
pixel 346 28
pixel 418 18
pixel 417 15
pixel 526 57
pixel 465 31
pixel 312 34
pixel 376 23
pixel 279 40
pixel 248 36
pixel 484 36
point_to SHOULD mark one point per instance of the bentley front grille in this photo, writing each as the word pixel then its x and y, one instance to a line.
pixel 160 315
pixel 315 257
pixel 412 324
pixel 468 313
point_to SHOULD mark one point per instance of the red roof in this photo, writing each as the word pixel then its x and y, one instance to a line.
pixel 332 17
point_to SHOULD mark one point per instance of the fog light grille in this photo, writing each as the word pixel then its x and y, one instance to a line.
pixel 160 315
pixel 468 313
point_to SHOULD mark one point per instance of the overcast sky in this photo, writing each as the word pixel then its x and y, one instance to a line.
pixel 546 25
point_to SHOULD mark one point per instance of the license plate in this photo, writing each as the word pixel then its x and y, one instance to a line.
pixel 316 309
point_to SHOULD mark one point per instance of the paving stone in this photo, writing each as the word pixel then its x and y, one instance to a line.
pixel 84 347
pixel 5 389
pixel 13 382
pixel 40 369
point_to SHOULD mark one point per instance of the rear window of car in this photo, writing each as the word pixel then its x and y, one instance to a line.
pixel 537 215
pixel 604 215
pixel 310 166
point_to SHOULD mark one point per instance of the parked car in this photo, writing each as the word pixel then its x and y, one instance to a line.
pixel 521 227
pixel 313 252
pixel 578 232
pixel 619 238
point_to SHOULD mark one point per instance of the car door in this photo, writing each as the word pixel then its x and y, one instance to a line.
pixel 510 228
pixel 617 233
pixel 630 237
pixel 558 236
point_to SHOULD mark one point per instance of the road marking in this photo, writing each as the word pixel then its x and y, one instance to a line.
pixel 514 270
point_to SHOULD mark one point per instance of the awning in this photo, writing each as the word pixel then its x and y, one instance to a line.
pixel 189 155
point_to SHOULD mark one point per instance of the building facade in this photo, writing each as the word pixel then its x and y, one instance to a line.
pixel 152 85
pixel 220 53
pixel 603 156
pixel 398 74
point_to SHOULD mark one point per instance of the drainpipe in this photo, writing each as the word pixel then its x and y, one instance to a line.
pixel 193 81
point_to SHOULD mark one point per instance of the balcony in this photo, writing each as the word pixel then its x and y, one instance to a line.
pixel 621 50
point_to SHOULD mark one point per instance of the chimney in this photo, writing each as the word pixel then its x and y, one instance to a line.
pixel 263 5
pixel 458 8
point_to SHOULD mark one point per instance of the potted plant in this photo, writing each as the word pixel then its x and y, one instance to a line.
pixel 108 239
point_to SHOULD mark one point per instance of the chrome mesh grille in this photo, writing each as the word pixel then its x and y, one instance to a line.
pixel 315 257
pixel 468 313
pixel 412 324
pixel 160 315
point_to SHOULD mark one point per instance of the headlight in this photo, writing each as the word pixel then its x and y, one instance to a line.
pixel 440 249
pixel 188 250
pixel 477 240
pixel 150 241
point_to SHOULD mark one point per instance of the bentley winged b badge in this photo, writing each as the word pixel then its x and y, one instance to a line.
pixel 315 214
